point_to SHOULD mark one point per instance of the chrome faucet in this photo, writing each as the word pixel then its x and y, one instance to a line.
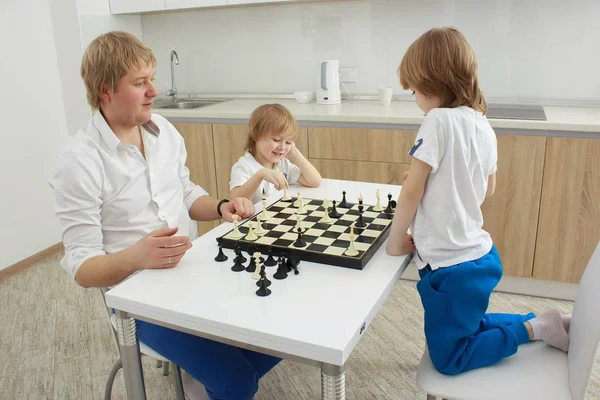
pixel 173 90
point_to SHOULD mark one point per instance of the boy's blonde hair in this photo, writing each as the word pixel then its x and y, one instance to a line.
pixel 270 119
pixel 108 58
pixel 442 63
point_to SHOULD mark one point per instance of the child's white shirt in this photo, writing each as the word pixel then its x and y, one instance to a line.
pixel 247 166
pixel 460 146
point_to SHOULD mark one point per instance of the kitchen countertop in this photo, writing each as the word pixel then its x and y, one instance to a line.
pixel 371 113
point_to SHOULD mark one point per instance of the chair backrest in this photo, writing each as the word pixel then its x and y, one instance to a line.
pixel 584 332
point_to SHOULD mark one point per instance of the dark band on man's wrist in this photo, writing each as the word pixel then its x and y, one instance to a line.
pixel 219 206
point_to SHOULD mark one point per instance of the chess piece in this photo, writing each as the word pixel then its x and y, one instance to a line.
pixel 236 234
pixel 221 256
pixel 270 260
pixel 251 235
pixel 298 225
pixel 360 223
pixel 256 274
pixel 299 200
pixel 377 207
pixel 299 242
pixel 263 214
pixel 281 272
pixel 351 250
pixel 344 203
pixel 263 290
pixel 334 212
pixel 260 230
pixel 286 196
pixel 251 263
pixel 390 206
pixel 326 219
pixel 238 252
pixel 301 209
pixel 292 264
pixel 287 268
pixel 263 276
pixel 238 263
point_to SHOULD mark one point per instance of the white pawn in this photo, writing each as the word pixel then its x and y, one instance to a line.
pixel 256 273
pixel 298 201
pixel 326 218
pixel 286 196
pixel 260 230
pixel 236 234
pixel 263 214
pixel 351 250
pixel 377 207
pixel 301 209
pixel 251 235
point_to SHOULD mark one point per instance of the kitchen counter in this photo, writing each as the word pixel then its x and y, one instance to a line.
pixel 367 113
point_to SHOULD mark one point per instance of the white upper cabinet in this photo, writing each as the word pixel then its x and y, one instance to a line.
pixel 181 4
pixel 135 6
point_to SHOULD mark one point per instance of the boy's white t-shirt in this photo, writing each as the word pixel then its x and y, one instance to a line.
pixel 460 146
pixel 247 166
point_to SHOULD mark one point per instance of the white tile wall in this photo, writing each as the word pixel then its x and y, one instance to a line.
pixel 528 50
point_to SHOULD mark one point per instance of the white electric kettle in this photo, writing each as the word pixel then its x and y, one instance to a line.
pixel 328 84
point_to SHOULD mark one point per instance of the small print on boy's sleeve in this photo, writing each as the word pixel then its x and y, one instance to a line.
pixel 426 145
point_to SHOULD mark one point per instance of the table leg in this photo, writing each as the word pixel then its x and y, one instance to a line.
pixel 333 382
pixel 130 356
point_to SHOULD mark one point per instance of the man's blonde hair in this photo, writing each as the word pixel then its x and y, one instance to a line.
pixel 270 119
pixel 108 58
pixel 442 63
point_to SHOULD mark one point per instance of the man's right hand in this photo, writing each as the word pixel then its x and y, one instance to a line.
pixel 159 249
pixel 275 177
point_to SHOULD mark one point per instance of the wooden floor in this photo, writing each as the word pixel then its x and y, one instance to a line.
pixel 55 342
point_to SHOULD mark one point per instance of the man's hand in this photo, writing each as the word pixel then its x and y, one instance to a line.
pixel 238 205
pixel 158 249
pixel 275 177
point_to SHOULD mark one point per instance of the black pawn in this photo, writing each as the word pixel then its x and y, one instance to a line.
pixel 299 242
pixel 344 203
pixel 270 260
pixel 251 265
pixel 239 253
pixel 263 275
pixel 221 256
pixel 334 213
pixel 360 223
pixel 292 263
pixel 286 266
pixel 390 207
pixel 239 264
pixel 281 272
pixel 263 290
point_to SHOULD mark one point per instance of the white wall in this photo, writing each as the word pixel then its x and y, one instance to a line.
pixel 34 128
pixel 528 50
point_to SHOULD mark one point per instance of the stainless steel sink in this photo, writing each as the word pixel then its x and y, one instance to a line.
pixel 188 104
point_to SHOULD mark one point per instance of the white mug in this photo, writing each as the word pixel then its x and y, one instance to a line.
pixel 385 95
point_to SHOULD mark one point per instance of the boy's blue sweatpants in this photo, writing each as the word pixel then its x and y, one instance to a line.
pixel 226 372
pixel 460 335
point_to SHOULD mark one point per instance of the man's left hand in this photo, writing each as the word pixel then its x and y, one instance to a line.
pixel 238 205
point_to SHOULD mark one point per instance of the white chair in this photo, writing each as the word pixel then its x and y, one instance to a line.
pixel 537 371
pixel 193 388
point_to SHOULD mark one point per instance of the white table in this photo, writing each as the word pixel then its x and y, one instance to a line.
pixel 316 317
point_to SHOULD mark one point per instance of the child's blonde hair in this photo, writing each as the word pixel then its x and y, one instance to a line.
pixel 270 119
pixel 442 63
pixel 108 58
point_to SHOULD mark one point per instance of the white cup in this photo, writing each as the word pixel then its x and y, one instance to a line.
pixel 385 95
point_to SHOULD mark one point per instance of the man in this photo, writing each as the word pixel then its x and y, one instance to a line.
pixel 122 192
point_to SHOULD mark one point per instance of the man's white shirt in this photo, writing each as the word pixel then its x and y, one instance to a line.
pixel 108 195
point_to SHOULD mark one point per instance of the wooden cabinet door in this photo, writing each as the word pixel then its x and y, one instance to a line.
pixel 200 161
pixel 511 214
pixel 230 141
pixel 361 171
pixel 569 225
pixel 358 144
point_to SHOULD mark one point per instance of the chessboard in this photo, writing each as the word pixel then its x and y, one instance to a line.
pixel 324 243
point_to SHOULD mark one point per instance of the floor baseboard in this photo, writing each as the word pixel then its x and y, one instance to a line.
pixel 29 261
pixel 524 286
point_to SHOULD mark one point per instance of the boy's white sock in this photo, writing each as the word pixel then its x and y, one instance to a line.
pixel 549 327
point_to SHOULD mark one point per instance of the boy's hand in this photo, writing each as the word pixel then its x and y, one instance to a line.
pixel 238 205
pixel 292 152
pixel 408 246
pixel 159 249
pixel 275 177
